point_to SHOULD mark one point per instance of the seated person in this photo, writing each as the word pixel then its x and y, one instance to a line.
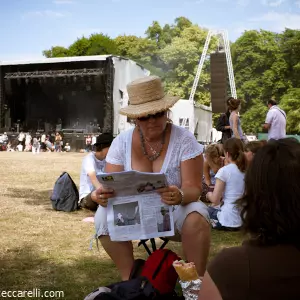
pixel 156 145
pixel 251 148
pixel 267 264
pixel 229 187
pixel 9 147
pixel 92 165
pixel 214 160
pixel 20 147
pixel 49 145
pixel 67 147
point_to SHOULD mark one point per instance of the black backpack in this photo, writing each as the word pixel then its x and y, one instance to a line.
pixel 138 288
pixel 65 194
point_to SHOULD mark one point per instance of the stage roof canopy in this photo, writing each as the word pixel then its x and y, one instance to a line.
pixel 57 60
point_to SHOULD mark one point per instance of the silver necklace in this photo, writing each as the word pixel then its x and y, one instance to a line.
pixel 156 146
pixel 156 154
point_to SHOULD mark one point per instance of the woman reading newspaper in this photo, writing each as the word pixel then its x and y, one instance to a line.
pixel 156 145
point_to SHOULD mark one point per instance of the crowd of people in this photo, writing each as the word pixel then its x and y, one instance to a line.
pixel 28 142
pixel 52 142
pixel 232 185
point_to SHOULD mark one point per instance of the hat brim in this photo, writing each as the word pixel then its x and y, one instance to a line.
pixel 149 108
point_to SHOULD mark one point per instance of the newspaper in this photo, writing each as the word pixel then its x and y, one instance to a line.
pixel 136 211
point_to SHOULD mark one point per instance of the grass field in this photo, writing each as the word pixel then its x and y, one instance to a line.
pixel 48 250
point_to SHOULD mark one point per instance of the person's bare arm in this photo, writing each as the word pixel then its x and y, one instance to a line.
pixel 94 180
pixel 266 126
pixel 216 196
pixel 191 178
pixel 206 173
pixel 110 168
pixel 209 290
pixel 235 119
pixel 191 183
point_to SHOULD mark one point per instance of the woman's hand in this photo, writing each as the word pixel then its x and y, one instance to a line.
pixel 170 195
pixel 101 195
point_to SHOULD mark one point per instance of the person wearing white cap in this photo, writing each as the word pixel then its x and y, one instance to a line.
pixel 156 145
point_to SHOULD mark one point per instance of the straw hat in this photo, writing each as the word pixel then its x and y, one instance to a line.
pixel 147 97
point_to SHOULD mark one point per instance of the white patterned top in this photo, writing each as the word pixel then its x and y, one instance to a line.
pixel 182 146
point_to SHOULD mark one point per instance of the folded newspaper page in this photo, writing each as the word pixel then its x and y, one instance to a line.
pixel 137 212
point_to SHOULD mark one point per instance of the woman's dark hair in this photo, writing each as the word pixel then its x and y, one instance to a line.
pixel 253 146
pixel 271 202
pixel 233 104
pixel 235 148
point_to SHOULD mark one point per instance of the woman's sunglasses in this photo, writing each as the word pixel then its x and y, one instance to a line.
pixel 156 116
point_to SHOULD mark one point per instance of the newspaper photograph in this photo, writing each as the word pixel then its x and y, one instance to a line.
pixel 137 212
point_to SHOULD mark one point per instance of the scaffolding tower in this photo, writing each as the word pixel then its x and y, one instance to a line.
pixel 222 36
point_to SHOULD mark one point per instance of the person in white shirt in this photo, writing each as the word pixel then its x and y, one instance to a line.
pixel 35 146
pixel 20 147
pixel 275 121
pixel 156 145
pixel 21 139
pixel 230 186
pixel 92 165
pixel 67 147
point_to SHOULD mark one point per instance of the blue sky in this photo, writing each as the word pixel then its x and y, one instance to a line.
pixel 27 27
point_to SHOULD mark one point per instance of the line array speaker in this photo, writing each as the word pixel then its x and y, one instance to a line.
pixel 218 76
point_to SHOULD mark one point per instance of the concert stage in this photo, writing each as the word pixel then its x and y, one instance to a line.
pixel 74 95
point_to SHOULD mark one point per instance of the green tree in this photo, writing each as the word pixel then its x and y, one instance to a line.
pixel 80 47
pixel 254 117
pixel 56 51
pixel 100 44
pixel 259 66
pixel 290 103
pixel 95 44
pixel 181 23
pixel 155 33
pixel 181 58
pixel 290 47
pixel 139 49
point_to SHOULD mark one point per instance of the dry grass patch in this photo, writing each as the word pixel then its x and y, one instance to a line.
pixel 49 250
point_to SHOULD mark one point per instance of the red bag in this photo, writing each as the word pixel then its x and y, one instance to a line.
pixel 160 272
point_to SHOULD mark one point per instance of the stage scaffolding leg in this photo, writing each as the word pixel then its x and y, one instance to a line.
pixel 1 98
pixel 109 106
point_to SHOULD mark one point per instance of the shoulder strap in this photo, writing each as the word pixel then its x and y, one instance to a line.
pixel 160 264
pixel 280 111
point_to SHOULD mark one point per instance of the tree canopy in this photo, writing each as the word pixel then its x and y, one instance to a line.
pixel 266 64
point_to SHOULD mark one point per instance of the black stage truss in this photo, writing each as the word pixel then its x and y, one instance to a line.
pixel 56 73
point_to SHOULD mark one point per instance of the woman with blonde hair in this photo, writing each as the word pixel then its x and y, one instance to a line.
pixel 158 146
pixel 214 160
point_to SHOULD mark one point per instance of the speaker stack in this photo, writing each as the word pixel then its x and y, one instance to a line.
pixel 218 76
